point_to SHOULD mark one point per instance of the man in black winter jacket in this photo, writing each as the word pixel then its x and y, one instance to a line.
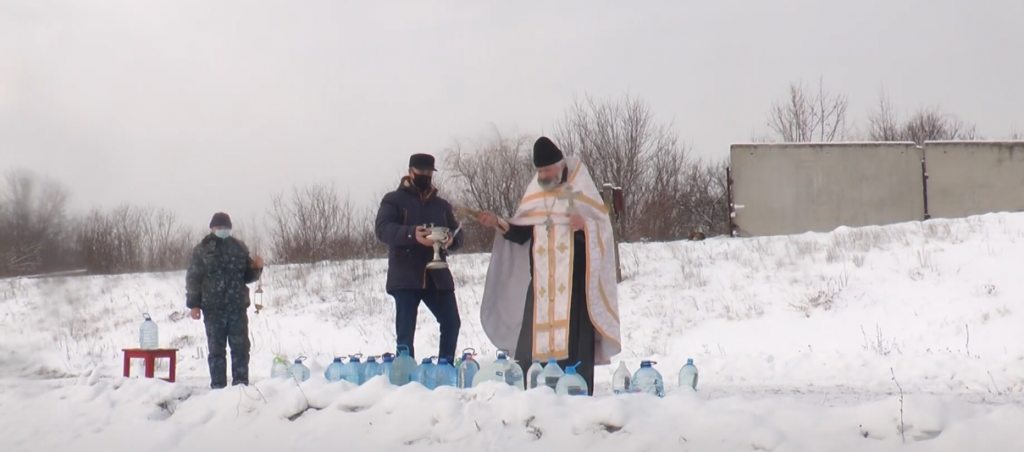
pixel 399 224
pixel 216 289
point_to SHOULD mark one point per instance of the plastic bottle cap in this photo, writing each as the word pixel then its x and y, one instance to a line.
pixel 689 361
pixel 337 359
pixel 441 361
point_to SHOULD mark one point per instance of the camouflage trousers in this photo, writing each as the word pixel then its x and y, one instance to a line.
pixel 224 329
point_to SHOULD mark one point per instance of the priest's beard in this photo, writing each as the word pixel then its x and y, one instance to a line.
pixel 548 184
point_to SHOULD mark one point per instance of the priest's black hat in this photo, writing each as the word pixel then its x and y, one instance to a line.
pixel 545 153
pixel 422 162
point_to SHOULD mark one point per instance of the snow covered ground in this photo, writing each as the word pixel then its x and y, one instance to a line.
pixel 837 341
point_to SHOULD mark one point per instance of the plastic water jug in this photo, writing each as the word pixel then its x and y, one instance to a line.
pixel 403 367
pixel 648 380
pixel 280 368
pixel 299 371
pixel 370 368
pixel 571 383
pixel 621 379
pixel 149 334
pixel 444 374
pixel 333 372
pixel 533 374
pixel 387 361
pixel 551 374
pixel 467 369
pixel 492 371
pixel 352 370
pixel 688 375
pixel 514 375
pixel 422 372
pixel 356 361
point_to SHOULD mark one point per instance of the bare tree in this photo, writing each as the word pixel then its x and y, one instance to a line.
pixel 316 224
pixel 810 116
pixel 32 219
pixel 925 124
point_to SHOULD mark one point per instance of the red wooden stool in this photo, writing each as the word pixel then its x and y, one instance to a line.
pixel 150 356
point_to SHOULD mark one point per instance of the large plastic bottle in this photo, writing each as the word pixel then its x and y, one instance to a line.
pixel 280 368
pixel 648 380
pixel 551 374
pixel 403 367
pixel 333 372
pixel 533 374
pixel 370 368
pixel 351 371
pixel 387 361
pixel 514 375
pixel 467 369
pixel 621 379
pixel 422 372
pixel 299 371
pixel 356 362
pixel 571 383
pixel 688 375
pixel 492 371
pixel 149 334
pixel 444 374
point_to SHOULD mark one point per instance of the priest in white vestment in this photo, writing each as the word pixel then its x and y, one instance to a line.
pixel 550 291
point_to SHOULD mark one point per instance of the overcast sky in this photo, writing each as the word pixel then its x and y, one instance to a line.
pixel 201 106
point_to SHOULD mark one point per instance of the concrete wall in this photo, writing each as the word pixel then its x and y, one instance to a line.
pixel 795 188
pixel 792 188
pixel 973 178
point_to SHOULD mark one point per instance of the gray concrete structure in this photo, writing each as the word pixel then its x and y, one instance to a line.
pixel 974 177
pixel 792 188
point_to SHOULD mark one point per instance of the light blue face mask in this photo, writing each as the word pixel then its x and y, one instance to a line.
pixel 222 233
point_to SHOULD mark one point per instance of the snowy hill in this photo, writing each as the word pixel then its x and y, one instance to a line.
pixel 797 340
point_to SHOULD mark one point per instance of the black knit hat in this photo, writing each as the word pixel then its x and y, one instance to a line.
pixel 422 162
pixel 220 219
pixel 545 153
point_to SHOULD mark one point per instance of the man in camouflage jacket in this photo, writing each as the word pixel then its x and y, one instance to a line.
pixel 216 290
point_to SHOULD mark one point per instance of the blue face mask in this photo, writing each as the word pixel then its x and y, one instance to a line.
pixel 223 233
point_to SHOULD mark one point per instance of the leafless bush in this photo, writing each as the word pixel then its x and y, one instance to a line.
pixel 925 124
pixel 317 224
pixel 133 239
pixel 666 193
pixel 32 225
pixel 810 116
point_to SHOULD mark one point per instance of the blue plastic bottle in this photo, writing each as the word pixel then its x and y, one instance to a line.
pixel 572 383
pixel 403 367
pixel 467 369
pixel 444 374
pixel 647 379
pixel 422 372
pixel 333 372
pixel 350 371
pixel 388 361
pixel 688 375
pixel 370 369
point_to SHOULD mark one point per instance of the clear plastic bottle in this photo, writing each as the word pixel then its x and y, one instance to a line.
pixel 280 368
pixel 621 379
pixel 467 369
pixel 688 375
pixel 514 375
pixel 533 374
pixel 370 368
pixel 571 383
pixel 422 373
pixel 403 367
pixel 551 374
pixel 149 334
pixel 387 361
pixel 648 380
pixel 299 371
pixel 333 372
pixel 444 374
pixel 351 371
pixel 492 371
